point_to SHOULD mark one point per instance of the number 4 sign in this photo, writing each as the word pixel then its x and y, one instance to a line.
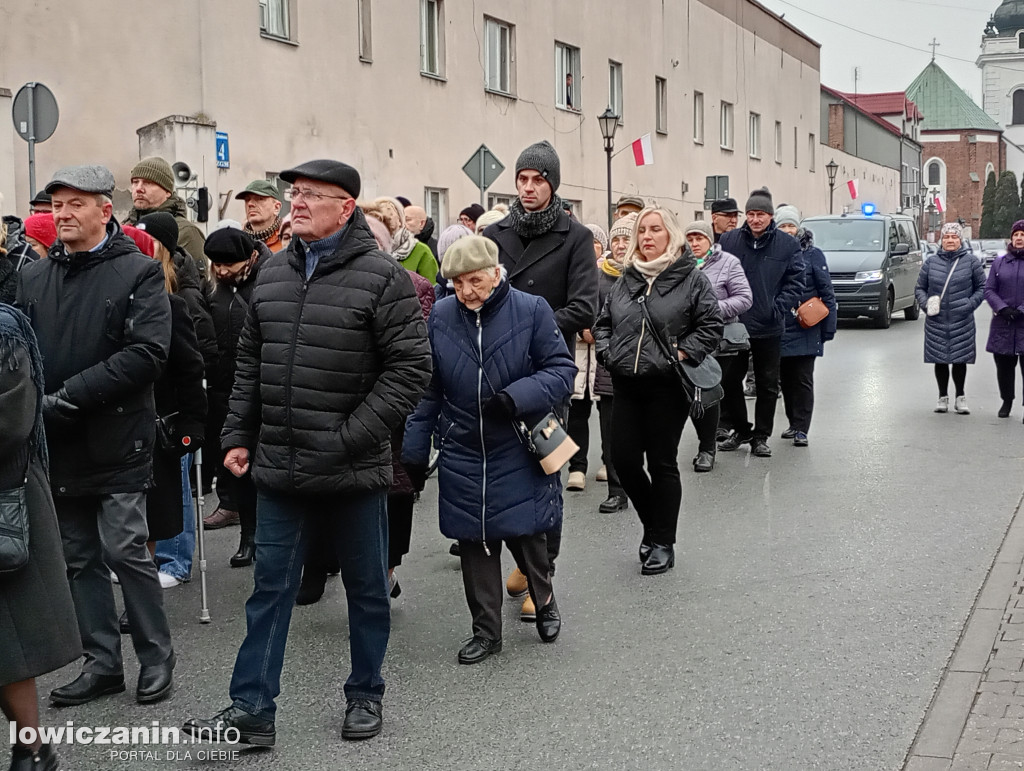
pixel 223 152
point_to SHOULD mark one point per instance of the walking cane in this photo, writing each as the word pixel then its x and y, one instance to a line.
pixel 204 607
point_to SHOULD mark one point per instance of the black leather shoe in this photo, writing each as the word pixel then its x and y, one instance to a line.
pixel 722 434
pixel 246 551
pixel 549 622
pixel 363 719
pixel 645 549
pixel 760 448
pixel 311 588
pixel 85 688
pixel 155 682
pixel 614 503
pixel 704 462
pixel 477 649
pixel 251 729
pixel 789 433
pixel 734 442
pixel 122 623
pixel 1004 411
pixel 44 759
pixel 662 558
pixel 454 549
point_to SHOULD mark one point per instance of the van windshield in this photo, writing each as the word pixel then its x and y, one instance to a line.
pixel 843 235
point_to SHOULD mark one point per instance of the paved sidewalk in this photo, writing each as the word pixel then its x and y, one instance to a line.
pixel 976 720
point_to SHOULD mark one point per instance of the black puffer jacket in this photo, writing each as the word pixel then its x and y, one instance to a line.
pixel 103 322
pixel 191 290
pixel 684 308
pixel 327 368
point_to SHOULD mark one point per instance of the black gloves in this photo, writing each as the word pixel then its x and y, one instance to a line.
pixel 58 411
pixel 417 475
pixel 499 406
pixel 1008 313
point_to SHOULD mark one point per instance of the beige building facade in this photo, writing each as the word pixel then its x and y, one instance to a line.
pixel 407 90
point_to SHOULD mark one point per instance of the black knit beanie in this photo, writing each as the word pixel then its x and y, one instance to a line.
pixel 541 156
pixel 761 200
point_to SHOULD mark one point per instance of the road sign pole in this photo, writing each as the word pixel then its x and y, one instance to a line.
pixel 483 188
pixel 31 141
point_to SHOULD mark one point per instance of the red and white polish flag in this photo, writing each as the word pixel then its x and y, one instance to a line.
pixel 643 154
pixel 854 188
pixel 940 204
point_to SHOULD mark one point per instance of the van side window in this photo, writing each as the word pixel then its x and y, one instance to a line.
pixel 907 235
pixel 893 239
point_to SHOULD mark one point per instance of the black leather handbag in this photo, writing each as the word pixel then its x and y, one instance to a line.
pixel 13 529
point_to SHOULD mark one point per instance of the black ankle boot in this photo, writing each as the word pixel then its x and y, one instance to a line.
pixel 23 759
pixel 246 551
pixel 1004 411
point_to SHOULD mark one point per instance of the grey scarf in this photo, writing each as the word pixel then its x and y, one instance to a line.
pixel 531 224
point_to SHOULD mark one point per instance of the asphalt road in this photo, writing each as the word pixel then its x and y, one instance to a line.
pixel 815 601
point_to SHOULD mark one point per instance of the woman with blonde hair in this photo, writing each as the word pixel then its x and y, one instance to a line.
pixel 413 255
pixel 662 306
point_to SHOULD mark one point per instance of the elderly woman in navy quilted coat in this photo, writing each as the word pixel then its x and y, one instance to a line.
pixel 953 280
pixel 498 358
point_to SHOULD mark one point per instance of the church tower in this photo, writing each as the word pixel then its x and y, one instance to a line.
pixel 1002 78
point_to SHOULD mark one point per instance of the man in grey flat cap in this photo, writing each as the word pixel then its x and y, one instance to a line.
pixel 332 358
pixel 101 314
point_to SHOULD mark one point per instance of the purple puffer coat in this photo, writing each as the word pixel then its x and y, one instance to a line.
pixel 725 272
pixel 1005 288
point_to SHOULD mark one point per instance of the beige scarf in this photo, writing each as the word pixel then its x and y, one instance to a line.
pixel 651 269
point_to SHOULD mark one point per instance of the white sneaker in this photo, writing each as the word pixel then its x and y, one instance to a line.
pixel 577 481
pixel 168 581
pixel 602 474
pixel 960 405
pixel 943 405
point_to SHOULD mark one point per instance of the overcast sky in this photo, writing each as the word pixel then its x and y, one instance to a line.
pixel 912 24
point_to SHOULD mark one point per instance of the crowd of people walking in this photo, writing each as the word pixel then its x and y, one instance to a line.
pixel 323 358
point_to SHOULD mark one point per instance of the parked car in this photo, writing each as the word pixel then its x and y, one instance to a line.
pixel 928 249
pixel 989 249
pixel 874 261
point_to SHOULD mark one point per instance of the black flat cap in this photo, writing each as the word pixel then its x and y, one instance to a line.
pixel 331 172
pixel 229 245
pixel 41 197
pixel 725 206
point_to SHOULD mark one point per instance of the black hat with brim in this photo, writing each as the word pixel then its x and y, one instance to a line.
pixel 332 172
pixel 725 206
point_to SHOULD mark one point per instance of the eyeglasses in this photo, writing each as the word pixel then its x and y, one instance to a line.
pixel 294 193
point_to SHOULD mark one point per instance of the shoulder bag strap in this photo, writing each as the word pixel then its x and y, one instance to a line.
pixel 948 277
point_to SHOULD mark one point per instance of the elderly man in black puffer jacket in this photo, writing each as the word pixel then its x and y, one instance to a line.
pixel 332 359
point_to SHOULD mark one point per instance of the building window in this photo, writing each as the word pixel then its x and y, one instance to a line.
pixel 435 201
pixel 432 37
pixel 778 141
pixel 575 208
pixel 365 36
pixel 698 117
pixel 661 105
pixel 989 169
pixel 567 77
pixel 499 44
pixel 1018 107
pixel 274 21
pixel 725 128
pixel 754 135
pixel 812 152
pixel 494 199
pixel 934 173
pixel 615 88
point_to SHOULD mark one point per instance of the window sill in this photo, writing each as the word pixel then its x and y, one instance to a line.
pixel 754 157
pixel 698 142
pixel 505 94
pixel 278 39
pixel 433 76
pixel 726 149
pixel 662 132
pixel 366 59
pixel 573 110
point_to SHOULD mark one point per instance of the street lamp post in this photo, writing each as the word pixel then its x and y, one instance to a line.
pixel 832 168
pixel 609 123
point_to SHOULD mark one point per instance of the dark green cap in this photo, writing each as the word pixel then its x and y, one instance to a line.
pixel 261 187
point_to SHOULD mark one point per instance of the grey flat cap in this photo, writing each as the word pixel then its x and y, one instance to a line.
pixel 89 179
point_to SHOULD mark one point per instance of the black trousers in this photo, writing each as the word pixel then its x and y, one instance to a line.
pixel 796 375
pixel 400 507
pixel 764 352
pixel 605 411
pixel 1006 375
pixel 647 423
pixel 707 428
pixel 959 378
pixel 238 494
pixel 484 584
pixel 579 430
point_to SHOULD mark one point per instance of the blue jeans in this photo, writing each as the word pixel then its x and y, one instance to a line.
pixel 357 525
pixel 174 555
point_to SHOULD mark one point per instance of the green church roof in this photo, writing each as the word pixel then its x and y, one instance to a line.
pixel 945 105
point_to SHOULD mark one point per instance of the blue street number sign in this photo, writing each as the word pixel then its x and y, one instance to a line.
pixel 223 152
